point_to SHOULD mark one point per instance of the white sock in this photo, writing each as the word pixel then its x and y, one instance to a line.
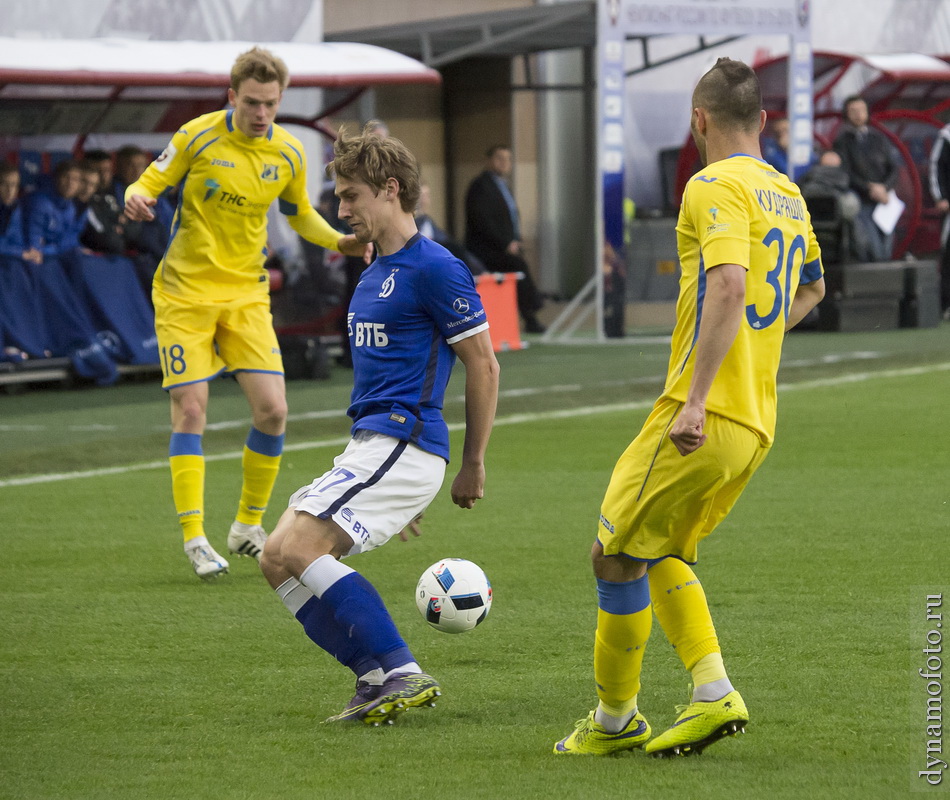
pixel 710 692
pixel 322 573
pixel 412 666
pixel 293 594
pixel 197 541
pixel 374 676
pixel 609 722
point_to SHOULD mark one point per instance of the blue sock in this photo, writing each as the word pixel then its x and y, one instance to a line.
pixel 357 607
pixel 324 631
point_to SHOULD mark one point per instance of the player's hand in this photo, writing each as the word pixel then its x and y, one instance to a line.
pixel 138 208
pixel 687 431
pixel 468 486
pixel 349 246
pixel 413 528
pixel 878 192
pixel 943 206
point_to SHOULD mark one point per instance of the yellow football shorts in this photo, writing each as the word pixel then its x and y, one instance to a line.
pixel 659 503
pixel 198 340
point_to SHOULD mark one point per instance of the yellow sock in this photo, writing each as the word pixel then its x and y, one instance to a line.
pixel 261 462
pixel 188 482
pixel 708 669
pixel 624 620
pixel 679 603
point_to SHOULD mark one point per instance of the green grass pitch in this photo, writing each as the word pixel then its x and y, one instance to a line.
pixel 123 676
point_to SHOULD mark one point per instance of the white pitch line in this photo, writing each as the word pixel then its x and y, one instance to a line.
pixel 657 380
pixel 511 419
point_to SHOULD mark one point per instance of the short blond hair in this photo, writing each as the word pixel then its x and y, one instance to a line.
pixel 371 160
pixel 260 65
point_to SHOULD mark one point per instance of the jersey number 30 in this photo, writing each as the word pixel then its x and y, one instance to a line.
pixel 779 278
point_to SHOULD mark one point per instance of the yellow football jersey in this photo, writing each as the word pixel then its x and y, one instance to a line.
pixel 227 183
pixel 741 211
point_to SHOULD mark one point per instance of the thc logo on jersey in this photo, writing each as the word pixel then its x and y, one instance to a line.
pixel 213 187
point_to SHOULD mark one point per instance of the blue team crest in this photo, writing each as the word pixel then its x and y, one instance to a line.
pixel 388 285
pixel 270 172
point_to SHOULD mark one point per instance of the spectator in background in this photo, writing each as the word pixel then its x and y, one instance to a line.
pixel 833 207
pixel 493 230
pixel 940 190
pixel 828 177
pixel 12 234
pixel 775 147
pixel 147 238
pixel 103 232
pixel 53 223
pixel 130 162
pixel 21 327
pixel 102 161
pixel 106 206
pixel 867 158
pixel 430 230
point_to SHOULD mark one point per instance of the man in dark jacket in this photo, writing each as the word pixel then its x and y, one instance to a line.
pixel 867 158
pixel 940 190
pixel 493 231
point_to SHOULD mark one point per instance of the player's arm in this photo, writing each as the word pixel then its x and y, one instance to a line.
pixel 807 297
pixel 723 307
pixel 811 287
pixel 166 170
pixel 481 400
pixel 294 203
pixel 314 228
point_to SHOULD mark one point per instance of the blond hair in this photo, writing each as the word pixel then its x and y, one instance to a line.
pixel 371 160
pixel 260 65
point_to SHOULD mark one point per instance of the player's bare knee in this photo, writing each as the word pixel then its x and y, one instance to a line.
pixel 272 565
pixel 308 539
pixel 188 413
pixel 271 415
pixel 616 568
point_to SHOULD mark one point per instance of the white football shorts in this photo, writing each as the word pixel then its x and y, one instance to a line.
pixel 377 486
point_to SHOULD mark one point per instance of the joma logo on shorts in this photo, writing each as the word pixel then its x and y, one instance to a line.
pixel 606 523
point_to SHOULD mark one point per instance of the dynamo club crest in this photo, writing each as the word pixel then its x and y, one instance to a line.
pixel 388 285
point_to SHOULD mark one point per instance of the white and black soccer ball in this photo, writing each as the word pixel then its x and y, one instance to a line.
pixel 453 595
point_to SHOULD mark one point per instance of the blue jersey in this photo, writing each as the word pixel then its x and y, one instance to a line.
pixel 407 310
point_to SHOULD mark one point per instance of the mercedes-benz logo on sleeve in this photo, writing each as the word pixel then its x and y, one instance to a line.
pixel 460 305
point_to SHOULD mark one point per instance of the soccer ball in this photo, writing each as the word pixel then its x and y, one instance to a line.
pixel 453 595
